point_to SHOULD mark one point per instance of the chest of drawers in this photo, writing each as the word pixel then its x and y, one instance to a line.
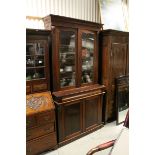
pixel 40 123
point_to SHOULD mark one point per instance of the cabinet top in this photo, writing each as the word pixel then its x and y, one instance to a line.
pixel 114 32
pixel 79 90
pixel 39 102
pixel 56 20
pixel 37 32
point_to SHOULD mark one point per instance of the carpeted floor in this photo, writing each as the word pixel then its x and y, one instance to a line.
pixel 81 146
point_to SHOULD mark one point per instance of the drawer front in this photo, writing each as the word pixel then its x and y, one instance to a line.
pixel 31 121
pixel 40 131
pixel 41 144
pixel 40 87
pixel 46 117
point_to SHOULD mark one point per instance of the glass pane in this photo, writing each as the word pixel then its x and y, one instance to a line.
pixel 35 59
pixel 30 48
pixel 39 48
pixel 29 74
pixel 40 72
pixel 30 61
pixel 35 73
pixel 35 48
pixel 87 57
pixel 39 61
pixel 67 58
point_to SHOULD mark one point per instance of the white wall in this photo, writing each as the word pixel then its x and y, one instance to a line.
pixel 81 9
pixel 114 14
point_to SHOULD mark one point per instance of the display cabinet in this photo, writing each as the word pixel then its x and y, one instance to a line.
pixel 37 60
pixel 74 51
pixel 75 76
pixel 114 62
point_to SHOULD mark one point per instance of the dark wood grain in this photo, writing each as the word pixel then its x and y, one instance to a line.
pixel 56 20
pixel 78 112
pixel 78 107
pixel 59 23
pixel 40 125
pixel 39 85
pixel 114 61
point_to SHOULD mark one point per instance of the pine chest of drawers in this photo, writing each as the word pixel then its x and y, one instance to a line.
pixel 40 123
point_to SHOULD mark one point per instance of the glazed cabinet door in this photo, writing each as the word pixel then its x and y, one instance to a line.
pixel 66 58
pixel 87 57
pixel 92 112
pixel 37 70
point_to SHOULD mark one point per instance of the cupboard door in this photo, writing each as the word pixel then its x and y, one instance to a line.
pixel 87 51
pixel 37 61
pixel 67 58
pixel 93 112
pixel 72 119
pixel 118 56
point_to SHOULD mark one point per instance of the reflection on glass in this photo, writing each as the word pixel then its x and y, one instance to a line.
pixel 39 61
pixel 35 73
pixel 29 74
pixel 87 57
pixel 35 62
pixel 122 115
pixel 67 58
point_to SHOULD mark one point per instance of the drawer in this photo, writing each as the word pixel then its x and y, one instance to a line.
pixel 46 117
pixel 40 87
pixel 41 144
pixel 31 121
pixel 39 131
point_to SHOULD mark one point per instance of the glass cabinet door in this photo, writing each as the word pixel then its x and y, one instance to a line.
pixel 35 60
pixel 87 55
pixel 67 58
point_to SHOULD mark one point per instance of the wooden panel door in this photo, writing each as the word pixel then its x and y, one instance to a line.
pixel 118 60
pixel 72 115
pixel 118 56
pixel 92 112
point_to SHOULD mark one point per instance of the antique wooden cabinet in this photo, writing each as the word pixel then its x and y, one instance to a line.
pixel 40 123
pixel 37 60
pixel 114 62
pixel 79 112
pixel 76 92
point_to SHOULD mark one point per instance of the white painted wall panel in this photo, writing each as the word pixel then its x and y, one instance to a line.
pixel 115 14
pixel 80 9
